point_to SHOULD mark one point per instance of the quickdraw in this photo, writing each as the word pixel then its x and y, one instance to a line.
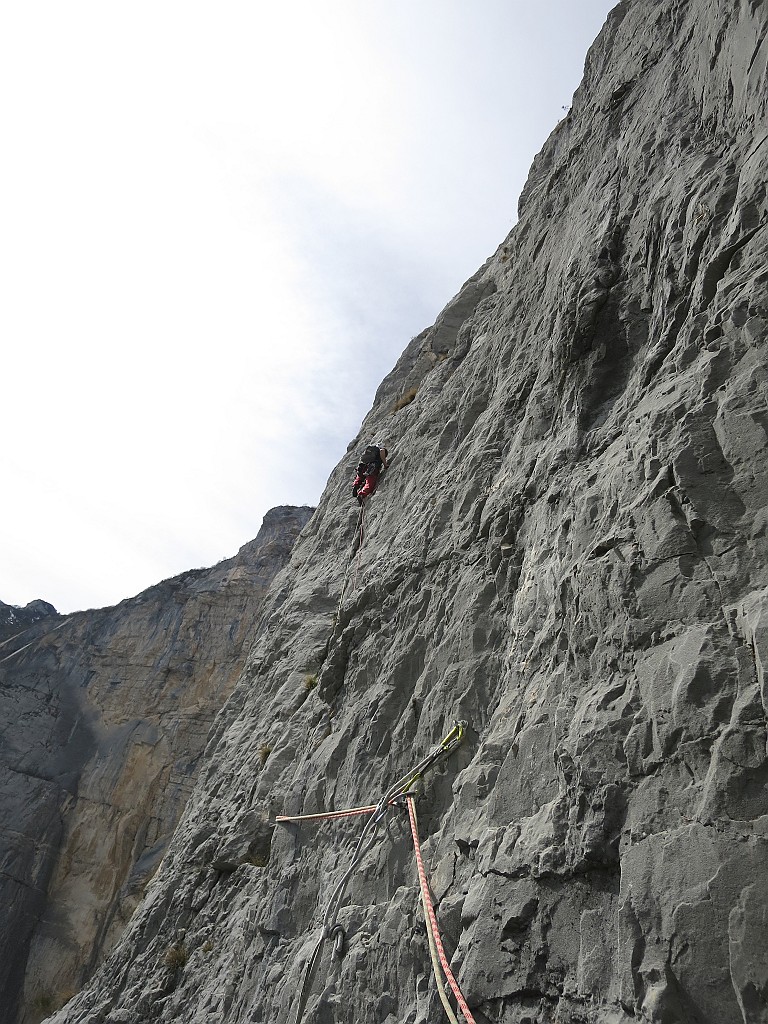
pixel 401 791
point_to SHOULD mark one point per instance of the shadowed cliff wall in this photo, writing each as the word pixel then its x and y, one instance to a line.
pixel 105 714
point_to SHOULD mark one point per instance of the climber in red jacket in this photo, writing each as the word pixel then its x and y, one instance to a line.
pixel 372 462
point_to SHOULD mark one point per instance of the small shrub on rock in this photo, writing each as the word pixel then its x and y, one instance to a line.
pixel 405 399
pixel 176 956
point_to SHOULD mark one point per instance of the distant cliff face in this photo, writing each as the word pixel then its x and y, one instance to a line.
pixel 14 619
pixel 568 551
pixel 105 717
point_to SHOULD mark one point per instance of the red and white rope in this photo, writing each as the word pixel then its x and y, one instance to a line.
pixel 433 919
pixel 327 814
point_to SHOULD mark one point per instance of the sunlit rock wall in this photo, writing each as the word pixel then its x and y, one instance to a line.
pixel 569 551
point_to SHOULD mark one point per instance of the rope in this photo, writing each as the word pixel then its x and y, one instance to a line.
pixel 378 811
pixel 326 814
pixel 400 788
pixel 436 964
pixel 332 910
pixel 352 560
pixel 359 549
pixel 356 557
pixel 427 901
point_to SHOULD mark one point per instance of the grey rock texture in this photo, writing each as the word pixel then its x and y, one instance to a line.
pixel 105 715
pixel 14 618
pixel 569 551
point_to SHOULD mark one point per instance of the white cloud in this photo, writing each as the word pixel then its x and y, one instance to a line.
pixel 220 226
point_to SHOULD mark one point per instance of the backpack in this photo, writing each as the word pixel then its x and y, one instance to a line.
pixel 371 459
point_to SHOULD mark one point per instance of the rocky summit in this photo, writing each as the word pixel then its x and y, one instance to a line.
pixel 568 552
pixel 105 715
pixel 14 619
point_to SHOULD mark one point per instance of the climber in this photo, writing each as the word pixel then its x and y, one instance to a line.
pixel 372 462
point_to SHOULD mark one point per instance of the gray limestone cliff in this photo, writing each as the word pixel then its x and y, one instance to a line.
pixel 569 552
pixel 14 619
pixel 105 716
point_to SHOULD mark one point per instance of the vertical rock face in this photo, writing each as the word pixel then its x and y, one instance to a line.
pixel 568 551
pixel 105 717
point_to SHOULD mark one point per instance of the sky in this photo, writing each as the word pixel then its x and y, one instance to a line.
pixel 220 225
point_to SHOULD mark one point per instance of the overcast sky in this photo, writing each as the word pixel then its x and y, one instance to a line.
pixel 220 224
